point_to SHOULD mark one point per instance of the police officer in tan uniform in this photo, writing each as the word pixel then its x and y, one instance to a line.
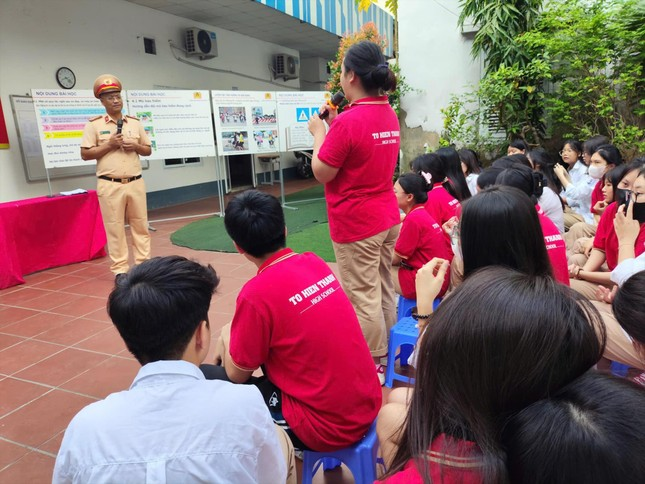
pixel 120 188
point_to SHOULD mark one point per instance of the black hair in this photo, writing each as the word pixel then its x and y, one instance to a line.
pixel 610 154
pixel 159 304
pixel 614 176
pixel 366 60
pixel 591 145
pixel 628 306
pixel 500 226
pixel 488 177
pixel 523 178
pixel 544 163
pixel 519 144
pixel 255 222
pixel 499 342
pixel 455 174
pixel 469 158
pixel 434 165
pixel 415 185
pixel 511 160
pixel 590 431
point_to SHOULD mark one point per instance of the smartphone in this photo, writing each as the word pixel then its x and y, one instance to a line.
pixel 623 197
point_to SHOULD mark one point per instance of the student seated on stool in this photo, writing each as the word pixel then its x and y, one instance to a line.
pixel 295 321
pixel 172 425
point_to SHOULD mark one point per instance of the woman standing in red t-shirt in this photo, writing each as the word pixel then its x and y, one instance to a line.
pixel 356 161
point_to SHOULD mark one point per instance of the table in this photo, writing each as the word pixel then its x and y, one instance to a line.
pixel 40 233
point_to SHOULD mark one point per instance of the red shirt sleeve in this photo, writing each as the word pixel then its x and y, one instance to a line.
pixel 408 239
pixel 250 335
pixel 605 226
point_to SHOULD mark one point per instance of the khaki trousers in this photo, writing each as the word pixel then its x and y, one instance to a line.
pixel 571 218
pixel 120 201
pixel 364 271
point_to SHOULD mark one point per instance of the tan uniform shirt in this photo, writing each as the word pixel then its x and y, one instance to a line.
pixel 116 163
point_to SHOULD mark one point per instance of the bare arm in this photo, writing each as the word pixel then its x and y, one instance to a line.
pixel 323 172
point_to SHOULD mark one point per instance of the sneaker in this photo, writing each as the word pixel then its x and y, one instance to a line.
pixel 380 372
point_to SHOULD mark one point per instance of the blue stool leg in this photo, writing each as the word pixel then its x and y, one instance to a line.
pixel 404 353
pixel 330 463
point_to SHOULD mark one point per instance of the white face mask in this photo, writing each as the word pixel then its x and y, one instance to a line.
pixel 596 172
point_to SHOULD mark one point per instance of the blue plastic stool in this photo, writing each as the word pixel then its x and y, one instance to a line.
pixel 360 458
pixel 404 307
pixel 618 369
pixel 403 335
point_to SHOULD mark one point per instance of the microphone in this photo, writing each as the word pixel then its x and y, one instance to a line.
pixel 119 126
pixel 334 102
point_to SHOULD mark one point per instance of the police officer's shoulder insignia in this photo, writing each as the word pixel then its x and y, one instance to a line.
pixel 132 117
pixel 94 118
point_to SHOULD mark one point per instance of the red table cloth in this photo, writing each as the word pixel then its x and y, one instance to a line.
pixel 40 233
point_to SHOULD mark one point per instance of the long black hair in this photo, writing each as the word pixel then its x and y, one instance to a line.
pixel 501 341
pixel 452 166
pixel 433 164
pixel 500 226
pixel 591 431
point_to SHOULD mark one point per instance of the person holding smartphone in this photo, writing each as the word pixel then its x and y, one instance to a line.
pixel 607 247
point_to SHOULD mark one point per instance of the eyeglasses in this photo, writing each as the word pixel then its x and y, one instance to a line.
pixel 637 197
pixel 567 150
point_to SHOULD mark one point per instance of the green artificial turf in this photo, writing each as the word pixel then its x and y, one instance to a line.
pixel 307 228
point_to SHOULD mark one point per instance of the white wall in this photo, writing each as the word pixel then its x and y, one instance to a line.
pixel 97 36
pixel 434 58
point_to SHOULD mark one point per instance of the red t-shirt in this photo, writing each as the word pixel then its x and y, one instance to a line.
pixel 596 194
pixel 607 241
pixel 294 318
pixel 363 143
pixel 449 461
pixel 555 247
pixel 420 239
pixel 441 205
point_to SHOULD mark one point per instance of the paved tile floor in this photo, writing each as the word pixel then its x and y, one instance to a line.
pixel 59 351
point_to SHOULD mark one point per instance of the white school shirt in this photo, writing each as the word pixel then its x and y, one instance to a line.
pixel 578 192
pixel 627 269
pixel 173 426
pixel 552 207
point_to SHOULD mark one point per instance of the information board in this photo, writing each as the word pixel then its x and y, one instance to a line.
pixel 246 122
pixel 178 122
pixel 61 116
pixel 294 110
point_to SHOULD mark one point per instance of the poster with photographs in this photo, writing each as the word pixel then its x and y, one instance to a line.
pixel 245 121
pixel 294 110
pixel 178 122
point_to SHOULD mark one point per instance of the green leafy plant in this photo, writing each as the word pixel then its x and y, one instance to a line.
pixel 580 73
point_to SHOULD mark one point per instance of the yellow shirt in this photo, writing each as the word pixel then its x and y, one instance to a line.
pixel 116 163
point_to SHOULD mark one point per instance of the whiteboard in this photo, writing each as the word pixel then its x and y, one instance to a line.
pixel 28 131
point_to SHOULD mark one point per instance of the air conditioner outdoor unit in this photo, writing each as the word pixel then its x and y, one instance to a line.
pixel 286 66
pixel 201 43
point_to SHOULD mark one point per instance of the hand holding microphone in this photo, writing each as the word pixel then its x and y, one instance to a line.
pixel 333 103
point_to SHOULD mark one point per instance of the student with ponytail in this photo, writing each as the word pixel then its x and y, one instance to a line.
pixel 443 202
pixel 532 183
pixel 421 238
